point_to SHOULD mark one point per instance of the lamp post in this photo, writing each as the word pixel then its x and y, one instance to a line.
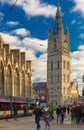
pixel 11 105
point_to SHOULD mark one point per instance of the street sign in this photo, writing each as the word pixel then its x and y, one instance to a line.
pixel 42 97
pixel 43 102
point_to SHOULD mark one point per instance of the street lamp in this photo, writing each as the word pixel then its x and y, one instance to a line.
pixel 11 104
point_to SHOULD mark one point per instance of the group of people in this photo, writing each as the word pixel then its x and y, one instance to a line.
pixel 60 113
pixel 43 113
pixel 77 113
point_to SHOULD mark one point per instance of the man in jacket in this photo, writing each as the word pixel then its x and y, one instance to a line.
pixel 38 113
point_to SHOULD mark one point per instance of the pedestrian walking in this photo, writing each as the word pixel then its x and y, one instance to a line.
pixel 78 113
pixel 82 113
pixel 63 113
pixel 58 114
pixel 73 114
pixel 46 116
pixel 38 112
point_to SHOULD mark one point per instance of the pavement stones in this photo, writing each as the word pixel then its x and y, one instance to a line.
pixel 27 123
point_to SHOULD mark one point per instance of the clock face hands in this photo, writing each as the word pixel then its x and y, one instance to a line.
pixel 58 49
pixel 65 45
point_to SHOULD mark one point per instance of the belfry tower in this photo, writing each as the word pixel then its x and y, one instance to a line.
pixel 58 62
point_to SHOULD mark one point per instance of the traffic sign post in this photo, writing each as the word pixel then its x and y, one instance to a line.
pixel 43 100
pixel 42 97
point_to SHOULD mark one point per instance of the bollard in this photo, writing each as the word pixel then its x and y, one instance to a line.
pixel 4 114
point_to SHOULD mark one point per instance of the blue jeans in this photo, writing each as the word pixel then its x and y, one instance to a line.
pixel 58 118
pixel 37 121
pixel 77 119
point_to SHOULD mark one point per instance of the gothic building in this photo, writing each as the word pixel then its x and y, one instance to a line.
pixel 73 92
pixel 58 65
pixel 15 72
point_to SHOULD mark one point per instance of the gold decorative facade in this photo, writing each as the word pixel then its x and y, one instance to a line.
pixel 15 72
pixel 73 93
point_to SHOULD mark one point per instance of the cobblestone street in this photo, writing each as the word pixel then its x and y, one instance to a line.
pixel 27 123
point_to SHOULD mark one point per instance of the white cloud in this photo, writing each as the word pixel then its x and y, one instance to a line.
pixel 12 40
pixel 36 44
pixel 40 68
pixel 77 66
pixel 34 7
pixel 73 22
pixel 79 6
pixel 12 23
pixel 81 47
pixel 1 16
pixel 21 32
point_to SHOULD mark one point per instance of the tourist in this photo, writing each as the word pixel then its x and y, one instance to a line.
pixel 38 112
pixel 46 116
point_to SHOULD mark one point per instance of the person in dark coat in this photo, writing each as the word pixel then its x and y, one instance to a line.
pixel 58 113
pixel 63 113
pixel 78 113
pixel 73 114
pixel 38 112
pixel 82 113
pixel 47 115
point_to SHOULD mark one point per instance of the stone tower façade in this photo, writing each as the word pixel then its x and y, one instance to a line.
pixel 58 62
pixel 15 72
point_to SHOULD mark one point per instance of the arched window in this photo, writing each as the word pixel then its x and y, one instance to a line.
pixel 16 83
pixel 64 78
pixel 64 64
pixel 68 65
pixel 9 81
pixel 22 93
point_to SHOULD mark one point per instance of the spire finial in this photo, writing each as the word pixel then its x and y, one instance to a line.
pixel 58 23
pixel 58 9
pixel 58 4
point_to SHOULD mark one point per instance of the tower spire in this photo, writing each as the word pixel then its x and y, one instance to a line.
pixel 58 23
pixel 58 10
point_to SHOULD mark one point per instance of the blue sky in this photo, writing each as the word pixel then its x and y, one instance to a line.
pixel 24 24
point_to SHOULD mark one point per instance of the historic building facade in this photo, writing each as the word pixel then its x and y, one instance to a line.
pixel 58 65
pixel 73 93
pixel 15 72
pixel 39 89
